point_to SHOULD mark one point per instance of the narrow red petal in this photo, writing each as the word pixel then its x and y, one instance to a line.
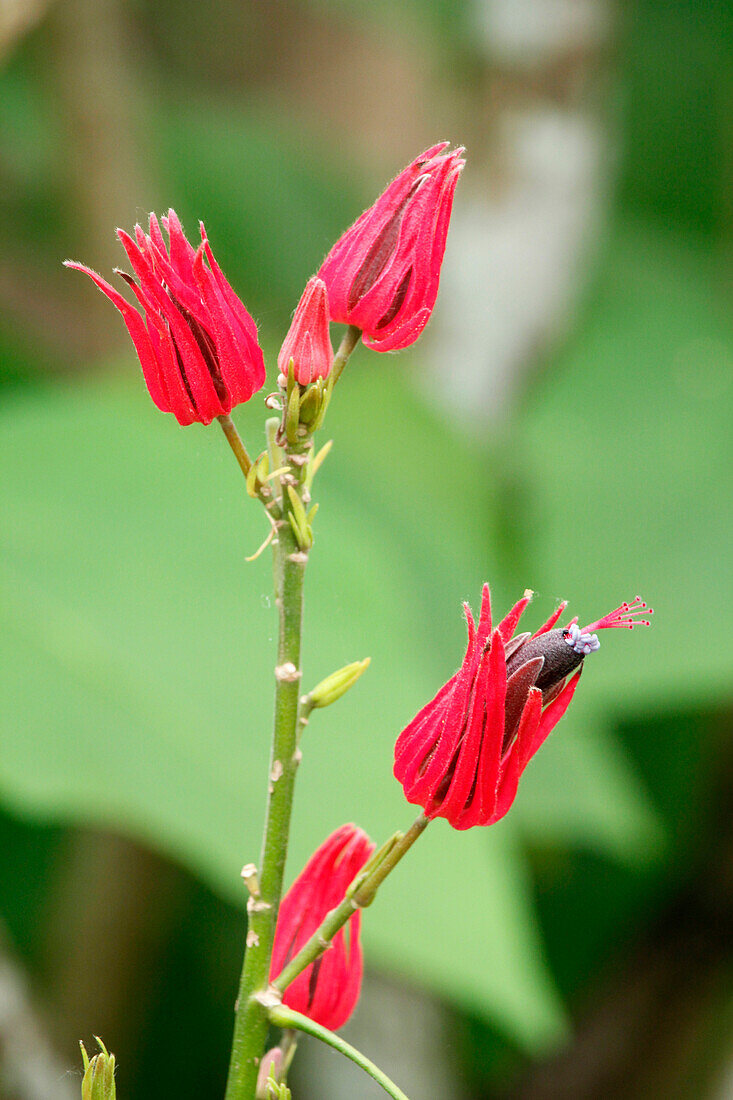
pixel 508 624
pixel 552 619
pixel 138 333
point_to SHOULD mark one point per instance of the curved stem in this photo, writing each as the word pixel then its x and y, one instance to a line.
pixel 360 895
pixel 285 1017
pixel 347 345
pixel 235 441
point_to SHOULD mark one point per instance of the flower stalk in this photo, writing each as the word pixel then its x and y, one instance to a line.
pixel 347 345
pixel 287 1018
pixel 358 896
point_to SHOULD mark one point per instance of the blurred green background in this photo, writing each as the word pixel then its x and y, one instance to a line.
pixel 563 425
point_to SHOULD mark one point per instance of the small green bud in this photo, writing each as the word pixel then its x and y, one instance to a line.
pixel 292 417
pixel 310 405
pixel 299 521
pixel 270 1069
pixel 338 683
pixel 98 1082
pixel 275 454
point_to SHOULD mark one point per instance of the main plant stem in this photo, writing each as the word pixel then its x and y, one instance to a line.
pixel 250 1026
pixel 251 1019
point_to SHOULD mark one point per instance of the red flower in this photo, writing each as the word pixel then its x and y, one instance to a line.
pixel 328 989
pixel 308 343
pixel 198 344
pixel 383 274
pixel 461 757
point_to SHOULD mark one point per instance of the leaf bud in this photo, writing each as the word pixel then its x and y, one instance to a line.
pixel 98 1082
pixel 338 683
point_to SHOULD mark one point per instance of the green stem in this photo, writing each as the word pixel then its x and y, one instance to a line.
pixel 235 441
pixel 250 1026
pixel 359 896
pixel 251 1019
pixel 347 345
pixel 285 1017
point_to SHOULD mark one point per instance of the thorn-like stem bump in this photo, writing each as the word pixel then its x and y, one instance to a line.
pixel 287 673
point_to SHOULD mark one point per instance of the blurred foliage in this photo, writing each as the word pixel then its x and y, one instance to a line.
pixel 134 672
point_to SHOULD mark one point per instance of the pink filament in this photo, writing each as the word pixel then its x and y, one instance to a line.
pixel 622 616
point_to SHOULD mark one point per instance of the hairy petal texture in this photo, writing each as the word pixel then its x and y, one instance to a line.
pixel 308 343
pixel 326 991
pixel 198 345
pixel 383 273
pixel 463 754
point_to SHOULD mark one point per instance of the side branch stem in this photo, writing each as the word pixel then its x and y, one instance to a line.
pixel 234 440
pixel 347 345
pixel 285 1017
pixel 359 896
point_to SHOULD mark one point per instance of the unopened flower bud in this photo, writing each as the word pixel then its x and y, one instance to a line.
pixel 98 1082
pixel 328 989
pixel 383 273
pixel 308 343
pixel 270 1068
pixel 338 683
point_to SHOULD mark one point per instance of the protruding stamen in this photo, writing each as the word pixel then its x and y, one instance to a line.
pixel 625 615
pixel 581 640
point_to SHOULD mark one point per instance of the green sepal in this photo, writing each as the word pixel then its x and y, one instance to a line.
pixel 257 472
pixel 325 402
pixel 277 1090
pixel 310 404
pixel 292 416
pixel 298 509
pixel 98 1082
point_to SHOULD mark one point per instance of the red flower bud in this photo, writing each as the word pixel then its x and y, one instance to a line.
pixel 308 343
pixel 328 989
pixel 383 274
pixel 462 756
pixel 198 344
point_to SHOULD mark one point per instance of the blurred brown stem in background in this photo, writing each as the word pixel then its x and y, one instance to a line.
pixel 17 17
pixel 113 909
pixel 100 167
pixel 29 1068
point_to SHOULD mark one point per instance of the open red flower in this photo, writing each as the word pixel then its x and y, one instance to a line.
pixel 462 756
pixel 308 342
pixel 198 344
pixel 328 989
pixel 383 273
